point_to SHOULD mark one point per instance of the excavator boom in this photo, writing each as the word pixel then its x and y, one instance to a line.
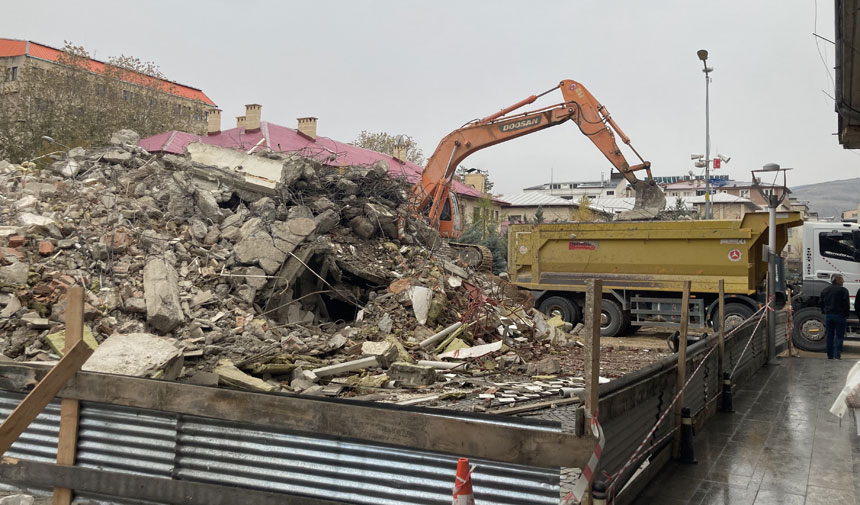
pixel 433 194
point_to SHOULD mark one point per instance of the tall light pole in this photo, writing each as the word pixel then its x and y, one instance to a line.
pixel 703 55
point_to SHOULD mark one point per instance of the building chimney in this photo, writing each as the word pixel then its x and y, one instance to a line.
pixel 214 120
pixel 308 127
pixel 240 121
pixel 252 113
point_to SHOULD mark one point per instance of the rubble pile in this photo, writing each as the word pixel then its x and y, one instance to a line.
pixel 315 281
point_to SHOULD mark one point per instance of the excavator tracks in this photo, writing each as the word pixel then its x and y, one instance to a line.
pixel 474 256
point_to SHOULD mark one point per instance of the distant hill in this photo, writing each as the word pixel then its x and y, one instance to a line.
pixel 830 198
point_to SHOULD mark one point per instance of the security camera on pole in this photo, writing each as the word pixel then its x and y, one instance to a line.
pixel 703 55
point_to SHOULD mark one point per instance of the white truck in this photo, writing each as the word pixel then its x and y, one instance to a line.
pixel 829 248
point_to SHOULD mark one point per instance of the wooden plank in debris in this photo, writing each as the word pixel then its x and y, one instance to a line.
pixel 536 406
pixel 682 365
pixel 338 418
pixel 42 394
pixel 142 487
pixel 69 408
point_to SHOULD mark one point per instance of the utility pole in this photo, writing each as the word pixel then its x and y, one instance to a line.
pixel 773 201
pixel 703 55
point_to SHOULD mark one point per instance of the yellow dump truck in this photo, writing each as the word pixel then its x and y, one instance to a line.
pixel 643 265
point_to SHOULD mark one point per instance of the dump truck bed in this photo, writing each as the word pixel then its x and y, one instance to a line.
pixel 645 255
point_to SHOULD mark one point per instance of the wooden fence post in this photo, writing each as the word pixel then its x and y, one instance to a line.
pixel 69 409
pixel 593 306
pixel 682 366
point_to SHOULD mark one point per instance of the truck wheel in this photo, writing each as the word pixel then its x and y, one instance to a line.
pixel 612 321
pixel 566 308
pixel 808 333
pixel 736 313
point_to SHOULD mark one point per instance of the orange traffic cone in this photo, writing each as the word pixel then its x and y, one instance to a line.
pixel 463 484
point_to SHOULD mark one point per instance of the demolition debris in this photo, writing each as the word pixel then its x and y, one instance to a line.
pixel 267 272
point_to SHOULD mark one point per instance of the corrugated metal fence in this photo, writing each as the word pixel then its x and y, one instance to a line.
pixel 196 449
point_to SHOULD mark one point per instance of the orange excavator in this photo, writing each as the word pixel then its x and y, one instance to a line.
pixel 435 199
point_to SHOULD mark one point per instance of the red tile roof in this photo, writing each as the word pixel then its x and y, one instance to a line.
pixel 280 138
pixel 11 47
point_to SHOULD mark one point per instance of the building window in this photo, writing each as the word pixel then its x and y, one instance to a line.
pixel 100 90
pixel 126 95
pixel 700 192
pixel 476 214
pixel 12 74
pixel 516 218
pixel 610 192
pixel 745 193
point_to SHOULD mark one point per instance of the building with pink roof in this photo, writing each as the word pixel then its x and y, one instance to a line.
pixel 251 135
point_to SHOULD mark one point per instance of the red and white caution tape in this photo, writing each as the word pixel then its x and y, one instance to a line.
pixel 669 408
pixel 581 485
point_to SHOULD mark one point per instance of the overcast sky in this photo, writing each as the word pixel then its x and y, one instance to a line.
pixel 424 68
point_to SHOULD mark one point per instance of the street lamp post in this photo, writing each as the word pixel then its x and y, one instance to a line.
pixel 773 201
pixel 703 55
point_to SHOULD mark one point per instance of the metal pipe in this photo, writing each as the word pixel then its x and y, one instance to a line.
pixel 445 365
pixel 708 214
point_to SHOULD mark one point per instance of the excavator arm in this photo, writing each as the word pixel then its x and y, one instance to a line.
pixel 579 106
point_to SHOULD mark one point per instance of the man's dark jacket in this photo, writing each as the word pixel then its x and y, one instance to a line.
pixel 835 300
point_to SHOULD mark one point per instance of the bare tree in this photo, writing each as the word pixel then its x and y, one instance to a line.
pixel 382 142
pixel 78 102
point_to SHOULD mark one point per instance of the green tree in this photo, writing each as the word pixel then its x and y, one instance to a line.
pixel 484 230
pixel 385 143
pixel 583 212
pixel 679 210
pixel 538 219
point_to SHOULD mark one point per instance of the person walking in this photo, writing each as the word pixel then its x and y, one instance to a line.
pixel 835 303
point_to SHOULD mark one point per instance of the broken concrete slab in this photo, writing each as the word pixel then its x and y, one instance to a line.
pixel 18 499
pixel 16 273
pixel 408 374
pixel 230 375
pixel 251 172
pixel 138 355
pixel 385 352
pixel 421 298
pixel 161 292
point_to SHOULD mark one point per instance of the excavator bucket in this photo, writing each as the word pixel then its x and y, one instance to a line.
pixel 650 201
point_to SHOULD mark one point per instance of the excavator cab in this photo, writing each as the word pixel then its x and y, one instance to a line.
pixel 450 221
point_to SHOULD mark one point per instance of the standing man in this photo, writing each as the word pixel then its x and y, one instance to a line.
pixel 835 303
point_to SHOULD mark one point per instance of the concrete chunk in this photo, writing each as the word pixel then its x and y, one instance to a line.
pixel 230 375
pixel 16 273
pixel 385 352
pixel 412 375
pixel 161 291
pixel 138 355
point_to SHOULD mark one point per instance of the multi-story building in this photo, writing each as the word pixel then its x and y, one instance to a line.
pixel 614 187
pixel 42 83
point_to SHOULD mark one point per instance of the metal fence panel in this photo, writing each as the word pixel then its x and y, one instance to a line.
pixel 169 445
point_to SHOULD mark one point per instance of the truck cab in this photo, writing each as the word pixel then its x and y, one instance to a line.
pixel 829 248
